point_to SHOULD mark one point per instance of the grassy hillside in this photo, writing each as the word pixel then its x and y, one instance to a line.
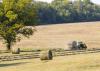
pixel 59 35
pixel 82 62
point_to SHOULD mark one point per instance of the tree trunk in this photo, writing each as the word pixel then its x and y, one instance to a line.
pixel 8 46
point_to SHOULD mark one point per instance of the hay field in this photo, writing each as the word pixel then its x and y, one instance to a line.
pixel 82 62
pixel 59 35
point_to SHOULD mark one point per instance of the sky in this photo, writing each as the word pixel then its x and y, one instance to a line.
pixel 95 1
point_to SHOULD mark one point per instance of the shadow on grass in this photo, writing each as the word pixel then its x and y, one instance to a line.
pixel 12 64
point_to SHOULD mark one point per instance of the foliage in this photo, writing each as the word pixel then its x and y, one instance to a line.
pixel 46 13
pixel 14 15
pixel 63 11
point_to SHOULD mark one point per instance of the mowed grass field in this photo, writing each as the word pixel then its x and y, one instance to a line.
pixel 59 35
pixel 82 62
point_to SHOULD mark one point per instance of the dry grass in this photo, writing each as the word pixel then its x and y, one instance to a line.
pixel 89 62
pixel 59 35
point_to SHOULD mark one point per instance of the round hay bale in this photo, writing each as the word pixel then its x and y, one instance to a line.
pixel 73 45
pixel 77 45
pixel 46 55
pixel 16 51
pixel 84 46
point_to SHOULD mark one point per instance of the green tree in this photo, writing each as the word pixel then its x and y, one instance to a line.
pixel 46 13
pixel 64 11
pixel 14 15
pixel 63 8
pixel 87 1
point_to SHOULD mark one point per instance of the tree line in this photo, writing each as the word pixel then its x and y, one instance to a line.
pixel 65 11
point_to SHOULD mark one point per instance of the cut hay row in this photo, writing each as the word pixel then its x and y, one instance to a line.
pixel 18 57
pixel 69 52
pixel 38 54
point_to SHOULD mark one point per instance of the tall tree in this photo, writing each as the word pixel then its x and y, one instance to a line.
pixel 14 15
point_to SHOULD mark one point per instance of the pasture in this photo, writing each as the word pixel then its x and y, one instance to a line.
pixel 58 36
pixel 82 62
